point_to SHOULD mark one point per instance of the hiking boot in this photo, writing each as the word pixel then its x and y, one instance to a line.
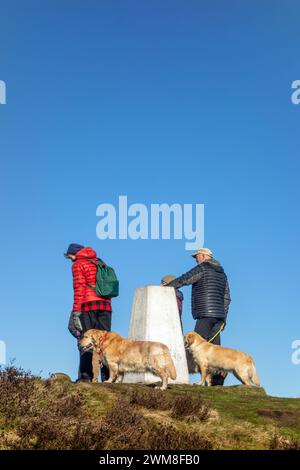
pixel 219 378
pixel 84 378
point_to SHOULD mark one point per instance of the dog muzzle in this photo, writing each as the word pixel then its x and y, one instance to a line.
pixel 88 347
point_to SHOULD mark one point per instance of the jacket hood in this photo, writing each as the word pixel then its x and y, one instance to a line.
pixel 86 252
pixel 216 265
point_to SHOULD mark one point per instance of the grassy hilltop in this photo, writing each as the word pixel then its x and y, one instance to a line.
pixel 58 414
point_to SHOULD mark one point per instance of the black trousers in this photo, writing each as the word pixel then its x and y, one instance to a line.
pixel 98 320
pixel 207 327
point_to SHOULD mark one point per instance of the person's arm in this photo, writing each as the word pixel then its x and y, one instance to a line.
pixel 227 298
pixel 188 278
pixel 72 328
pixel 79 287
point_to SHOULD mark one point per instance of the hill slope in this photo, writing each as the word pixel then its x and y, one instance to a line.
pixel 58 414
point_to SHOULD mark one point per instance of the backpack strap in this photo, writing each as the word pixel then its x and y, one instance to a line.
pixel 100 263
pixel 96 264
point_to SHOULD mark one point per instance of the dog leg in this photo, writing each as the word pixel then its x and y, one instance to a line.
pixel 120 378
pixel 209 379
pixel 161 373
pixel 113 373
pixel 242 377
pixel 164 379
pixel 246 379
pixel 96 367
pixel 203 374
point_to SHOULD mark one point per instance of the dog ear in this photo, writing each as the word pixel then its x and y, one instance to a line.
pixel 94 338
pixel 191 338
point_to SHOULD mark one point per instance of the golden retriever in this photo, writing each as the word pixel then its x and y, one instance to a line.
pixel 211 357
pixel 122 355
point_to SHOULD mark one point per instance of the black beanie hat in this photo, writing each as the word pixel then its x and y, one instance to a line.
pixel 73 249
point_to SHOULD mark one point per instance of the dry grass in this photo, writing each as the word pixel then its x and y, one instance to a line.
pixel 54 414
pixel 194 409
pixel 278 442
pixel 57 414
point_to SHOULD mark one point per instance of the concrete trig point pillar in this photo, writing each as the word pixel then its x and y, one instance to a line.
pixel 155 317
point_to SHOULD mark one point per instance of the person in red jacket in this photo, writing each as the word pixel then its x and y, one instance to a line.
pixel 89 310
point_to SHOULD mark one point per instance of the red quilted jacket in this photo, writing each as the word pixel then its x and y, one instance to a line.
pixel 84 272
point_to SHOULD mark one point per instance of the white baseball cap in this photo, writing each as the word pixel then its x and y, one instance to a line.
pixel 203 251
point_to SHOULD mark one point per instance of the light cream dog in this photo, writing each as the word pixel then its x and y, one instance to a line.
pixel 211 357
pixel 122 355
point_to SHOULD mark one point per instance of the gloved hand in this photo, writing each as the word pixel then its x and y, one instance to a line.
pixel 72 328
pixel 76 321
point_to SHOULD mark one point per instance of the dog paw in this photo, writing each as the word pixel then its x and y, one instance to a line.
pixel 159 387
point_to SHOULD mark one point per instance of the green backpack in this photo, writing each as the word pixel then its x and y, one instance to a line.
pixel 107 284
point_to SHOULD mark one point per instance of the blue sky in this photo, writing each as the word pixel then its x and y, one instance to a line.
pixel 175 102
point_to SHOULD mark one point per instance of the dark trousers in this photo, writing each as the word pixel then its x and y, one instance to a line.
pixel 207 328
pixel 98 320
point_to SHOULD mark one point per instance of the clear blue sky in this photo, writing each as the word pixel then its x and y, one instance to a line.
pixel 173 101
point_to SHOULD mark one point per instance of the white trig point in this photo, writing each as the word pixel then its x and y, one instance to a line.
pixel 2 353
pixel 155 317
pixel 2 92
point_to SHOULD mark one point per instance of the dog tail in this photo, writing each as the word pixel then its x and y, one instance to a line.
pixel 253 375
pixel 171 369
